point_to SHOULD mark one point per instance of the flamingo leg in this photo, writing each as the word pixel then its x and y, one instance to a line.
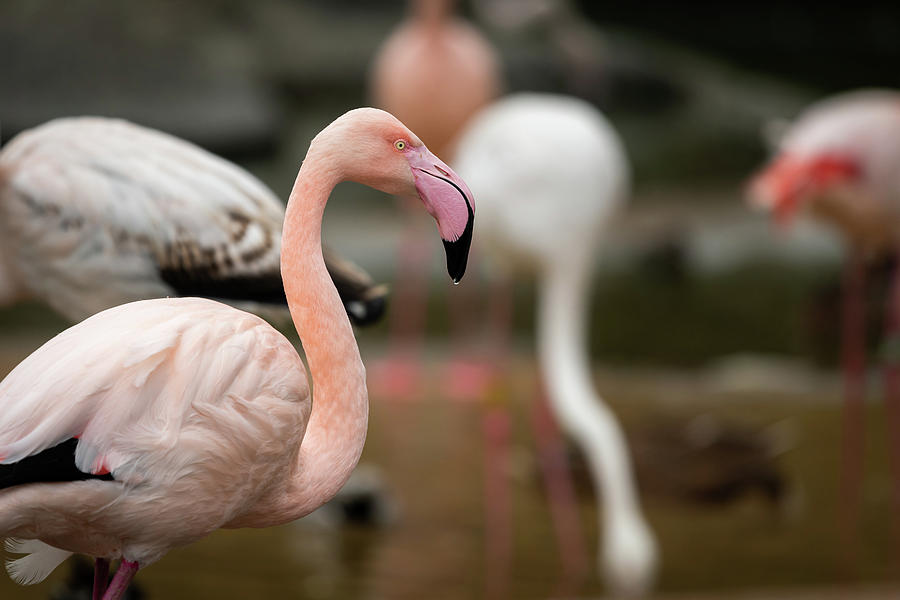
pixel 892 392
pixel 497 426
pixel 470 375
pixel 853 362
pixel 101 578
pixel 124 574
pixel 398 376
pixel 561 497
pixel 498 521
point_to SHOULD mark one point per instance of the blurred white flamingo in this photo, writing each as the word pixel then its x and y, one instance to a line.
pixel 96 212
pixel 550 172
pixel 840 161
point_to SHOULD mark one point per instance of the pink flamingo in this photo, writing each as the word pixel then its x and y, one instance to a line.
pixel 97 212
pixel 841 160
pixel 151 424
pixel 434 72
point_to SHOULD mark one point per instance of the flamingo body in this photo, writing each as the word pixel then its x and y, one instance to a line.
pixel 97 212
pixel 435 71
pixel 562 163
pixel 189 451
pixel 549 172
pixel 841 160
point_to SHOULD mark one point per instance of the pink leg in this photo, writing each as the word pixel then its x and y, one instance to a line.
pixel 892 394
pixel 483 382
pixel 498 525
pixel 469 375
pixel 399 375
pixel 561 497
pixel 853 359
pixel 101 578
pixel 121 580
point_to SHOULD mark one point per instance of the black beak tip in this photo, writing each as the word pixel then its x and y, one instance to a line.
pixel 458 254
pixel 457 250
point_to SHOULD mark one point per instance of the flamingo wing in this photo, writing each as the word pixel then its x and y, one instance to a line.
pixel 135 213
pixel 150 390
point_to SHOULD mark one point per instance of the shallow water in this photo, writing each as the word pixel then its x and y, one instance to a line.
pixel 431 454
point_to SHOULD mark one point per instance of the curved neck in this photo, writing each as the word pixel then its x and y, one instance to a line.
pixel 336 430
pixel 563 354
pixel 432 13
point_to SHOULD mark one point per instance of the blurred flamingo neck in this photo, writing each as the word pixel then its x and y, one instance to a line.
pixel 565 365
pixel 336 430
pixel 432 13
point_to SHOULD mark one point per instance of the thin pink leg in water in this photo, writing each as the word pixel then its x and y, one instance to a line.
pixel 124 574
pixel 399 374
pixel 853 359
pixel 101 578
pixel 561 497
pixel 496 428
pixel 470 373
pixel 498 513
pixel 892 397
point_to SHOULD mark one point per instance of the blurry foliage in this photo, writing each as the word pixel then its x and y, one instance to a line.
pixel 759 307
pixel 31 318
pixel 827 46
pixel 644 316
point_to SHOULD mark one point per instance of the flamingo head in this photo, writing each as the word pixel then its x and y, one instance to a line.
pixel 790 181
pixel 391 158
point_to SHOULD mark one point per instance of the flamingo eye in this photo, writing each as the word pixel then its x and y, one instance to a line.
pixel 400 145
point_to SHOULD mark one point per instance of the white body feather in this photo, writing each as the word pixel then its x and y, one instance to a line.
pixel 39 561
pixel 91 208
pixel 549 172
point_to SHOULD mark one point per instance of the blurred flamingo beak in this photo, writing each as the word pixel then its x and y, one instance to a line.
pixel 788 181
pixel 448 199
pixel 778 189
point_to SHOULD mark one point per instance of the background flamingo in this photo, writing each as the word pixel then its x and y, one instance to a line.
pixel 434 72
pixel 840 160
pixel 550 172
pixel 151 424
pixel 97 212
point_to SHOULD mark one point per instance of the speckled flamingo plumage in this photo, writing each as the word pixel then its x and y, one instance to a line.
pixel 96 212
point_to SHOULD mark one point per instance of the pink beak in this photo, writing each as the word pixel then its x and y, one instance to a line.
pixel 777 191
pixel 448 199
pixel 784 185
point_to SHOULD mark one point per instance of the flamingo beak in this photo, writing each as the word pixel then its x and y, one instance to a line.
pixel 448 199
pixel 789 182
pixel 779 189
